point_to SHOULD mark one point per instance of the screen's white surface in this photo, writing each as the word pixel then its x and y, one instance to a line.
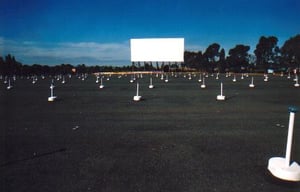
pixel 157 49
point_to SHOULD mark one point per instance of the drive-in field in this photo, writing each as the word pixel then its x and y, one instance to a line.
pixel 178 138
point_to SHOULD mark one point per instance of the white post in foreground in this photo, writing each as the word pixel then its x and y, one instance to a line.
pixel 137 97
pixel 251 85
pixel 296 83
pixel 200 78
pixel 63 81
pixel 52 97
pixel 9 85
pixel 151 86
pixel 290 138
pixel 221 97
pixel 167 79
pixel 280 167
pixel 203 86
pixel 221 88
pixel 51 90
pixel 234 78
pixel 101 83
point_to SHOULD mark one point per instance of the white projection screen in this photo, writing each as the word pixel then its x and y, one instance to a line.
pixel 157 49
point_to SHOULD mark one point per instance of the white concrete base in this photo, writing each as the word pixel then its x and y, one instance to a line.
pixel 221 97
pixel 266 79
pixel 296 85
pixel 251 85
pixel 131 81
pixel 203 86
pixel 166 80
pixel 151 86
pixel 50 99
pixel 101 86
pixel 137 98
pixel 9 87
pixel 277 166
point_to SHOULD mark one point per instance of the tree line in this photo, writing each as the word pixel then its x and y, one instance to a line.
pixel 267 55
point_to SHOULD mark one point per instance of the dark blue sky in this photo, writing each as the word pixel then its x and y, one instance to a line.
pixel 98 32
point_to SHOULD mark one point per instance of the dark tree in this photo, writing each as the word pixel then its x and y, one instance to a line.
pixel 148 66
pixel 157 66
pixel 81 69
pixel 36 69
pixel 66 69
pixel 222 61
pixel 238 58
pixel 265 52
pixel 211 56
pixel 291 52
pixel 193 59
pixel 9 66
pixel 2 66
pixel 166 68
pixel 199 61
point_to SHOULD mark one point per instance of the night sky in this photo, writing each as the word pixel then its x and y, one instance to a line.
pixel 98 32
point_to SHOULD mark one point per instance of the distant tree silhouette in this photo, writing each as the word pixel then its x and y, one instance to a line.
pixel 2 66
pixel 267 55
pixel 265 52
pixel 211 57
pixel 239 58
pixel 9 66
pixel 222 61
pixel 81 69
pixel 291 52
pixel 193 60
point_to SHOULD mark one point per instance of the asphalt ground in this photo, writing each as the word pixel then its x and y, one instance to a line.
pixel 177 138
